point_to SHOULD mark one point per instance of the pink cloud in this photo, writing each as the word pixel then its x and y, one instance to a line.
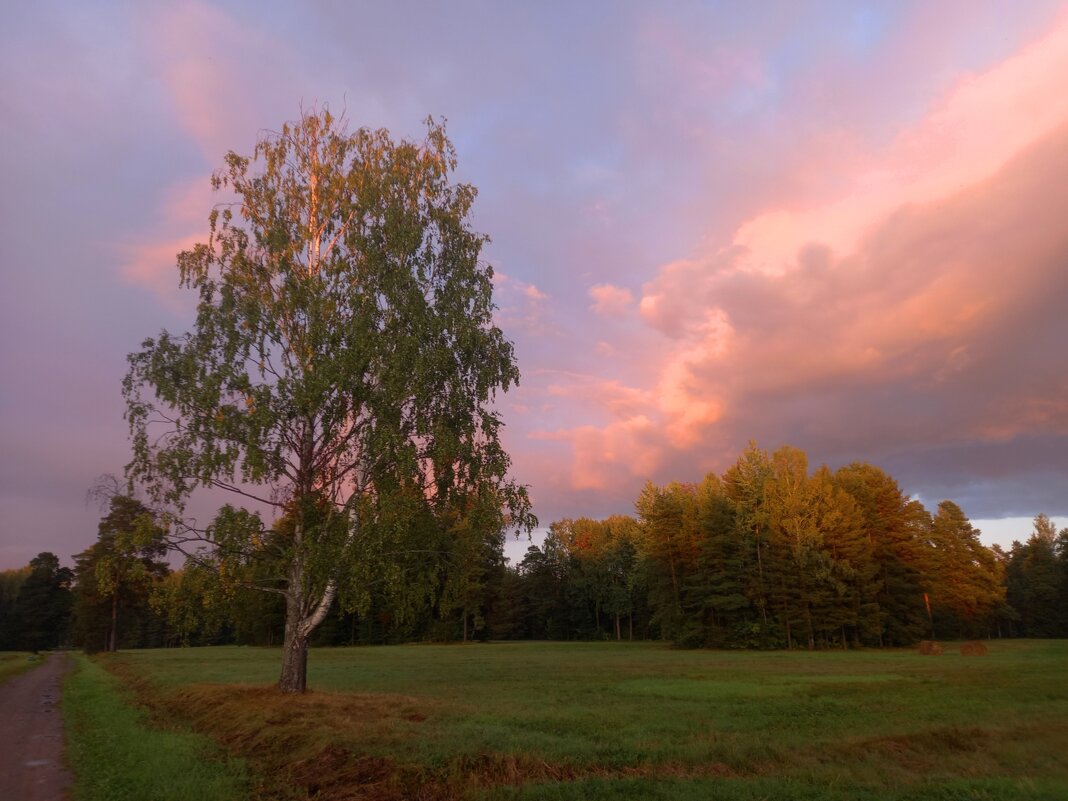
pixel 217 71
pixel 689 405
pixel 624 449
pixel 534 293
pixel 149 259
pixel 914 287
pixel 605 349
pixel 618 400
pixel 520 305
pixel 152 266
pixel 921 302
pixel 610 300
pixel 967 136
pixel 201 57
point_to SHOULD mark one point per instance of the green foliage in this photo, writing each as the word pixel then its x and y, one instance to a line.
pixel 768 555
pixel 894 527
pixel 342 367
pixel 117 755
pixel 1037 582
pixel 11 582
pixel 473 548
pixel 38 617
pixel 116 577
pixel 772 555
pixel 964 577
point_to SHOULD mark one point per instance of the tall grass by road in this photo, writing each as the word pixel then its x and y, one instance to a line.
pixel 117 754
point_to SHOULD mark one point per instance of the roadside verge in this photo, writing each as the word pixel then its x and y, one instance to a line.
pixel 117 753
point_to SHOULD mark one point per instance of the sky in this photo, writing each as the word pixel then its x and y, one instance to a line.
pixel 835 225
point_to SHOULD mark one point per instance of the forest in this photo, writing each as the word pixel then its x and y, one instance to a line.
pixel 767 555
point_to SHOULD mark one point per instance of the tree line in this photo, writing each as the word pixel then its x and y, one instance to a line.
pixel 767 555
pixel 772 555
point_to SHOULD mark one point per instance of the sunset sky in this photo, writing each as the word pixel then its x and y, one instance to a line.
pixel 840 225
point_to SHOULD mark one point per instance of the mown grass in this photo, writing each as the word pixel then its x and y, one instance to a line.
pixel 607 720
pixel 12 663
pixel 117 754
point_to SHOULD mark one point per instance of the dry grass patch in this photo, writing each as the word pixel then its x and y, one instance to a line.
pixel 328 746
pixel 333 746
pixel 934 744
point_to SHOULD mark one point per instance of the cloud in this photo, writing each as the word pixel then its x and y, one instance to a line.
pixel 218 72
pixel 620 401
pixel 966 138
pixel 606 456
pixel 149 259
pixel 687 403
pixel 937 329
pixel 532 292
pixel 610 300
pixel 201 57
pixel 918 309
pixel 520 305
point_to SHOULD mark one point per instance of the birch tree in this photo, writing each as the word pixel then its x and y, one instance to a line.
pixel 341 370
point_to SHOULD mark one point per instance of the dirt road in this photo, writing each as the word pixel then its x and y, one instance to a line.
pixel 31 734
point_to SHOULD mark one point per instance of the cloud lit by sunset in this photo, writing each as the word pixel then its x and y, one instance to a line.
pixel 841 229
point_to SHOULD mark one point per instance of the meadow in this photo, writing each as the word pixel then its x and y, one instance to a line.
pixel 624 720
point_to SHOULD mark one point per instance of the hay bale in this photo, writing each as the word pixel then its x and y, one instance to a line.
pixel 973 648
pixel 930 648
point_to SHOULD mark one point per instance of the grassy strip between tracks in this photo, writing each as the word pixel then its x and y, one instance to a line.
pixel 12 663
pixel 117 752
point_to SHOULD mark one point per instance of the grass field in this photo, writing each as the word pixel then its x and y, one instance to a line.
pixel 606 720
pixel 12 663
pixel 116 754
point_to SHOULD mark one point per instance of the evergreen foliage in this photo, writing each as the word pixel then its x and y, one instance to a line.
pixel 115 578
pixel 39 616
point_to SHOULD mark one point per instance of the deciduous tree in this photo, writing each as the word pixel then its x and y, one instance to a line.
pixel 342 365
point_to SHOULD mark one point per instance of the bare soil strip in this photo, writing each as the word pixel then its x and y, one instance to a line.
pixel 31 734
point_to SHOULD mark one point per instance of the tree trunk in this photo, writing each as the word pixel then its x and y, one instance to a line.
pixel 299 627
pixel 113 638
pixel 760 573
pixel 465 626
pixel 619 635
pixel 675 581
pixel 294 677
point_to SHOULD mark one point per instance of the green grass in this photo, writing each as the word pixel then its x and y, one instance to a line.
pixel 117 755
pixel 606 720
pixel 12 663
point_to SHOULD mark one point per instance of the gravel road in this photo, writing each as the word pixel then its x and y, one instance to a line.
pixel 31 734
